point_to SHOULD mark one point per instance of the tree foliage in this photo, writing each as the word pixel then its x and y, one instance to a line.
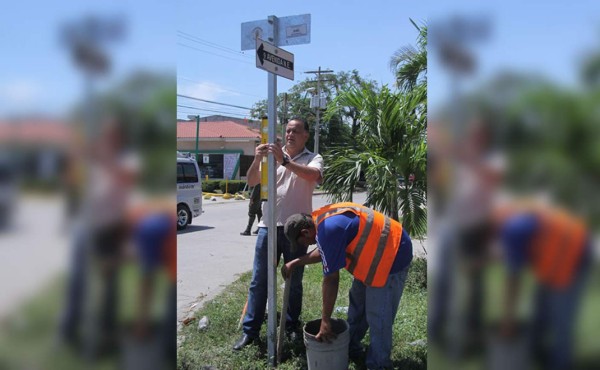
pixel 334 130
pixel 389 141
pixel 409 63
pixel 390 146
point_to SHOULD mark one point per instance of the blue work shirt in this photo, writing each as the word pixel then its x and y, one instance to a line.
pixel 335 233
pixel 516 236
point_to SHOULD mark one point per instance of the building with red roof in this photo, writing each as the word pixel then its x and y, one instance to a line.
pixel 225 148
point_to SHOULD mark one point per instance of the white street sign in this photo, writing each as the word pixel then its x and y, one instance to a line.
pixel 275 60
pixel 291 30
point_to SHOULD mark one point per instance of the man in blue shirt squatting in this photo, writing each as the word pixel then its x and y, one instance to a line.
pixel 556 246
pixel 376 251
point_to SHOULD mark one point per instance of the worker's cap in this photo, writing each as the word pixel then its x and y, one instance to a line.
pixel 293 225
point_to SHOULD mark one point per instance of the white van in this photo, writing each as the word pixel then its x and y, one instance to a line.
pixel 189 190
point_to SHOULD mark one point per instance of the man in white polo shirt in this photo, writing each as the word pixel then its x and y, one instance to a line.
pixel 298 173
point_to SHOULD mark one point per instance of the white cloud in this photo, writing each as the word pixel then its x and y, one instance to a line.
pixel 21 93
pixel 205 90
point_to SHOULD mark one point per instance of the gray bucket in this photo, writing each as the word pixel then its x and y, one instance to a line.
pixel 327 356
pixel 504 353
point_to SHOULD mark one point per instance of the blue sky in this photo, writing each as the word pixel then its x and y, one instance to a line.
pixel 345 35
pixel 537 37
pixel 38 76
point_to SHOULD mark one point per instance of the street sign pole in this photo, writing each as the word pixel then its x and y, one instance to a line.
pixel 272 226
pixel 291 30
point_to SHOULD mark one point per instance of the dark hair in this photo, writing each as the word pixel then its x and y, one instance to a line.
pixel 306 128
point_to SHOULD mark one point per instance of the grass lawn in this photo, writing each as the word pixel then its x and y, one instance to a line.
pixel 587 346
pixel 213 346
pixel 28 338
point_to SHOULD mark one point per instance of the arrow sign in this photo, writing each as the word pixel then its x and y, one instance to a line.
pixel 275 60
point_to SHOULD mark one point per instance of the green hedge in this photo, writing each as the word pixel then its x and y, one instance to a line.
pixel 233 186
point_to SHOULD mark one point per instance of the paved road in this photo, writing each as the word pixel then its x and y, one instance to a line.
pixel 33 250
pixel 211 253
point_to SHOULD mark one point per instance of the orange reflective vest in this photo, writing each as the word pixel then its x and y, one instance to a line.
pixel 557 247
pixel 370 255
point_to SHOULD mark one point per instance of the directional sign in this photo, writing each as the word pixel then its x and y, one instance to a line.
pixel 274 59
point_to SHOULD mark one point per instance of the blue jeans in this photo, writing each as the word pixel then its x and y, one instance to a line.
pixel 257 294
pixel 551 335
pixel 375 309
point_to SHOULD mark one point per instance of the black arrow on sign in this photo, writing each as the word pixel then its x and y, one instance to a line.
pixel 273 58
pixel 260 54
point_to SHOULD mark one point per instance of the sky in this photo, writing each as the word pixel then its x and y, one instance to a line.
pixel 38 75
pixel 345 35
pixel 548 39
pixel 200 41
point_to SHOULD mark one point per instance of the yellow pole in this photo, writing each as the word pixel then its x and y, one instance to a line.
pixel 264 175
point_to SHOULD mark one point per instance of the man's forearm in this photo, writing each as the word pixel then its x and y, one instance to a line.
pixel 330 291
pixel 306 172
pixel 310 258
pixel 253 172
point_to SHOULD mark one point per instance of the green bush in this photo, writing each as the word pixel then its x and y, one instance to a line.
pixel 233 186
pixel 214 186
pixel 209 186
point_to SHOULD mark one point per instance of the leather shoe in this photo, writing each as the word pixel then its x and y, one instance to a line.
pixel 243 342
pixel 245 233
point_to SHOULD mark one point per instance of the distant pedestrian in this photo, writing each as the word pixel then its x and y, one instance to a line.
pixel 254 210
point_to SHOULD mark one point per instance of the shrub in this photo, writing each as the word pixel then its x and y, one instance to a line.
pixel 232 186
pixel 209 186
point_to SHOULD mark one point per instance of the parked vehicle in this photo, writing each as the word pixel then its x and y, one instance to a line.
pixel 189 190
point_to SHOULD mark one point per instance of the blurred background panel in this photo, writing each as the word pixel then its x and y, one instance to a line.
pixel 513 162
pixel 87 154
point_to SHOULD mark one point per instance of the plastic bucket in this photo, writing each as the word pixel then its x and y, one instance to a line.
pixel 327 356
pixel 508 353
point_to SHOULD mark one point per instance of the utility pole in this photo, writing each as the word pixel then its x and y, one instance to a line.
pixel 318 105
pixel 197 118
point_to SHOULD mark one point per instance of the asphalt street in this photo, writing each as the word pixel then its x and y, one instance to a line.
pixel 34 249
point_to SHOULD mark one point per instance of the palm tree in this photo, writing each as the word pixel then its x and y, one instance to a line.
pixel 409 63
pixel 390 145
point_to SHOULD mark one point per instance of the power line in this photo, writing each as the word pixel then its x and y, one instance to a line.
pixel 193 38
pixel 190 37
pixel 194 112
pixel 222 88
pixel 219 55
pixel 209 110
pixel 212 102
pixel 212 110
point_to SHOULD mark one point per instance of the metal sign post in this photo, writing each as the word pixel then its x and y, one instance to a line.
pixel 291 30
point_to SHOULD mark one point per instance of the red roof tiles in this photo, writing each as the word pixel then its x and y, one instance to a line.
pixel 224 129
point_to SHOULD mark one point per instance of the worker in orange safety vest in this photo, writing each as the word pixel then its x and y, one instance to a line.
pixel 376 251
pixel 556 246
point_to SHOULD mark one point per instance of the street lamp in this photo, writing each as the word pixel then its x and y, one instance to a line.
pixel 197 117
